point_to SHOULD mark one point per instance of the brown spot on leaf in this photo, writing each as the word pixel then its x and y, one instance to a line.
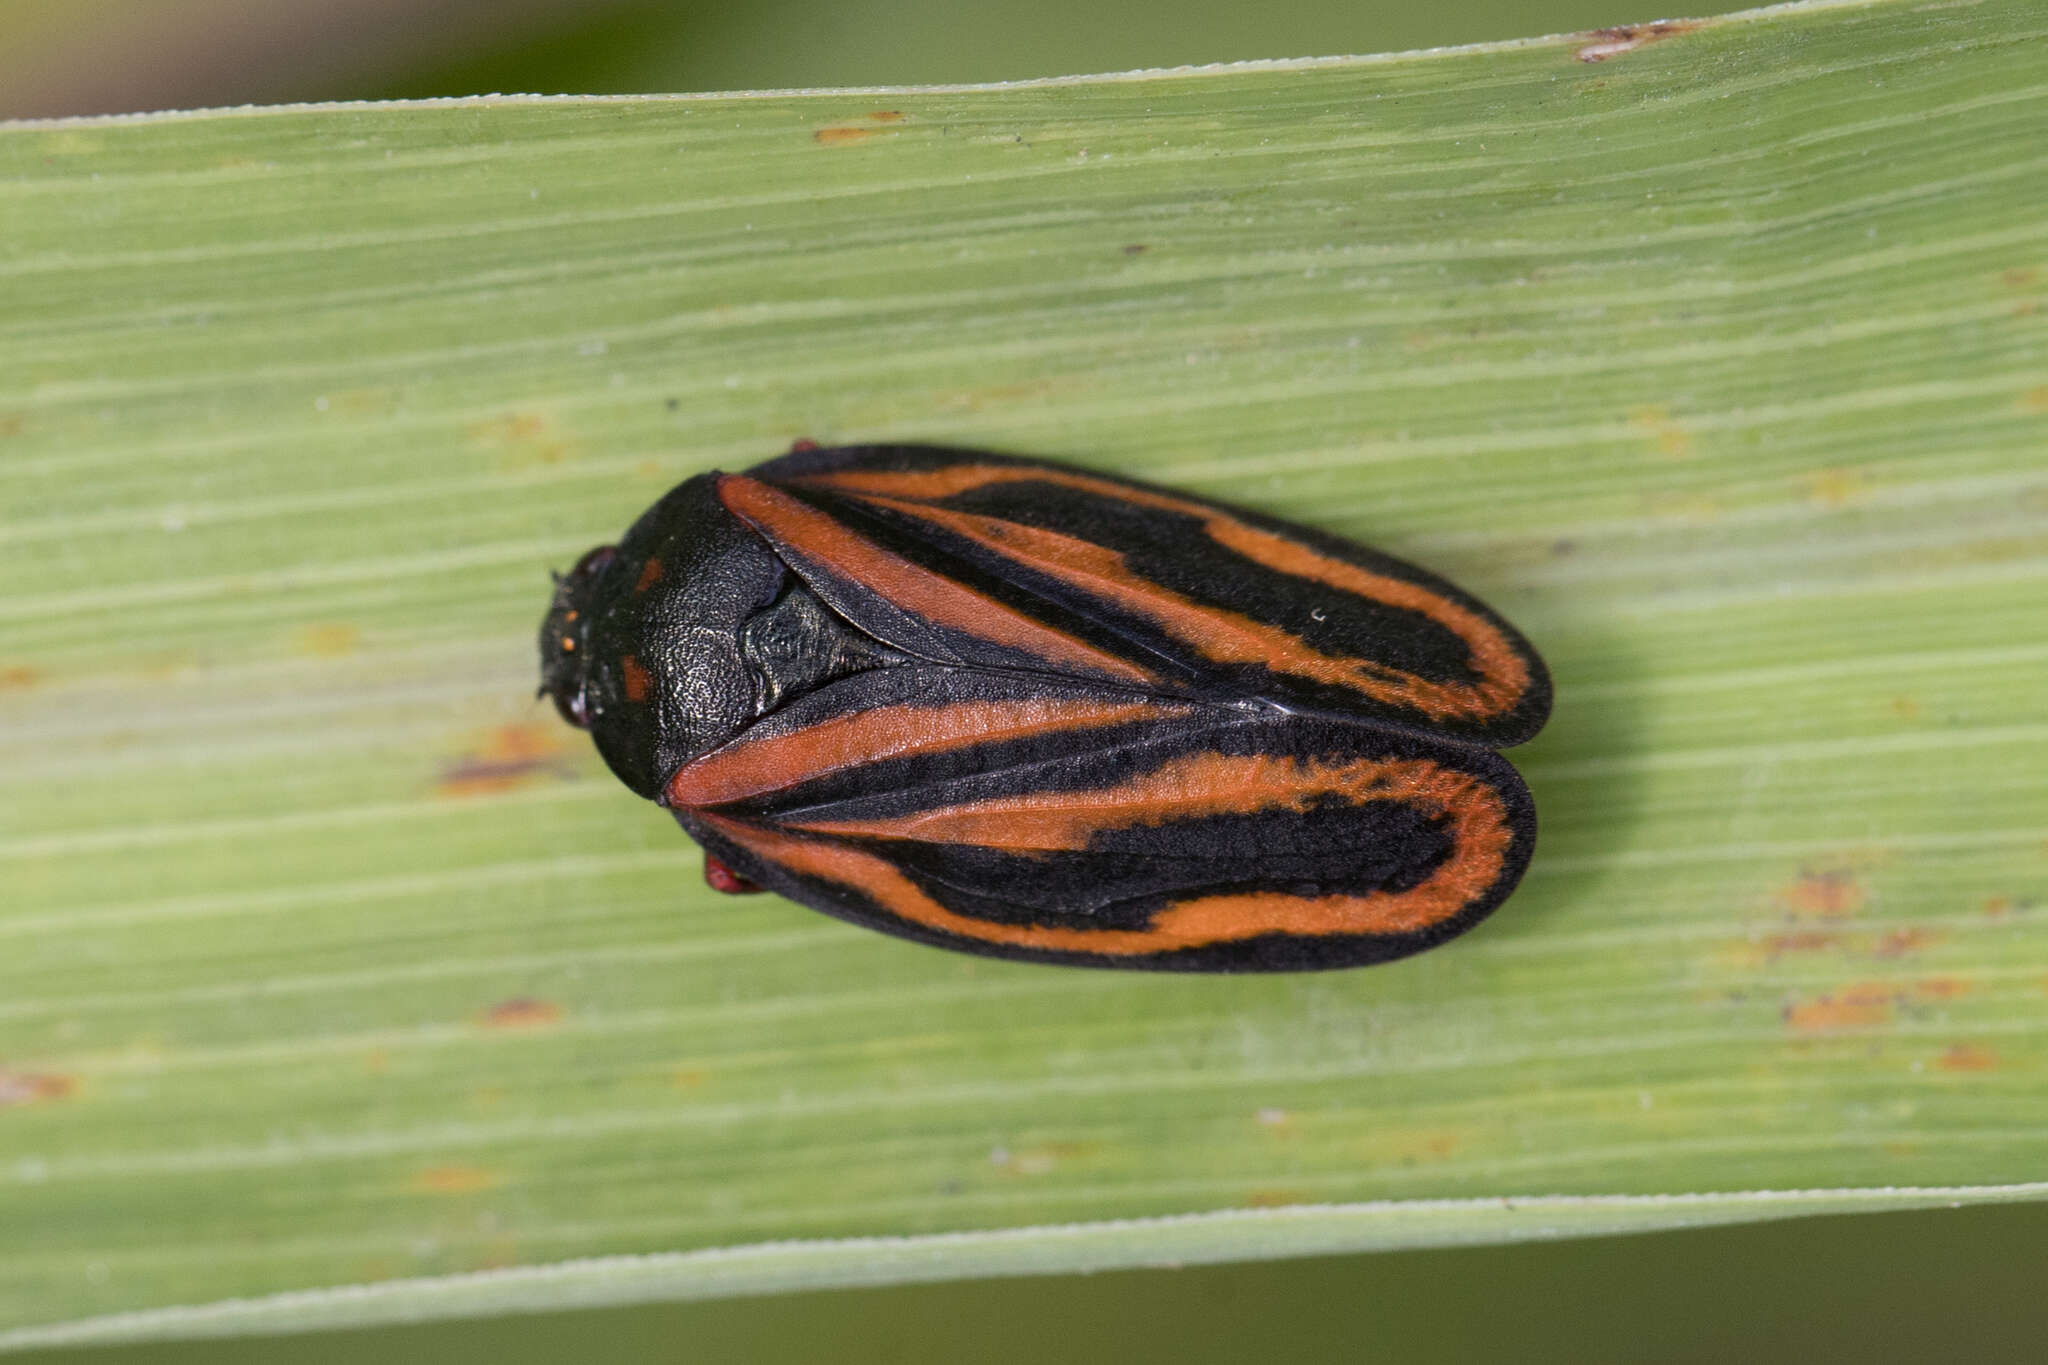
pixel 1604 43
pixel 1136 249
pixel 1756 952
pixel 328 640
pixel 1827 893
pixel 2035 400
pixel 1968 1057
pixel 1900 942
pixel 689 1077
pixel 34 1087
pixel 1907 708
pixel 1998 907
pixel 855 132
pixel 11 424
pixel 1866 1004
pixel 1863 1005
pixel 522 1012
pixel 2021 277
pixel 1777 945
pixel 1276 1199
pixel 454 1180
pixel 511 756
pixel 19 676
pixel 839 134
pixel 1830 894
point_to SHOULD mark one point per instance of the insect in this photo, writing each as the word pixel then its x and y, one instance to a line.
pixel 1018 708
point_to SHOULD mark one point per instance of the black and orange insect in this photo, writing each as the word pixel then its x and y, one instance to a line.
pixel 1013 707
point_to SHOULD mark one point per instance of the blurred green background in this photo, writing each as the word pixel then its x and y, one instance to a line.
pixel 115 56
pixel 1940 1285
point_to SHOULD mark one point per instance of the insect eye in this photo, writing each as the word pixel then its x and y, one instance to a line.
pixel 573 708
pixel 594 562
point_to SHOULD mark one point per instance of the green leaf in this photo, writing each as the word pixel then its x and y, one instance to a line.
pixel 329 958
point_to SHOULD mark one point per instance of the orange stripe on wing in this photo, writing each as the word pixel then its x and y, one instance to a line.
pixel 810 534
pixel 751 767
pixel 1187 788
pixel 1227 637
pixel 1481 838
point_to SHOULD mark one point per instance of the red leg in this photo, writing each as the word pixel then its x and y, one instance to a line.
pixel 719 877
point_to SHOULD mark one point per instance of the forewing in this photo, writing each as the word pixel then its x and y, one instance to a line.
pixel 991 561
pixel 1095 828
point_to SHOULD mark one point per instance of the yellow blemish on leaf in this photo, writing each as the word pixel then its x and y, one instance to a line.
pixel 1654 420
pixel 1835 487
pixel 328 640
pixel 71 142
pixel 454 1180
pixel 1407 1146
pixel 526 438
